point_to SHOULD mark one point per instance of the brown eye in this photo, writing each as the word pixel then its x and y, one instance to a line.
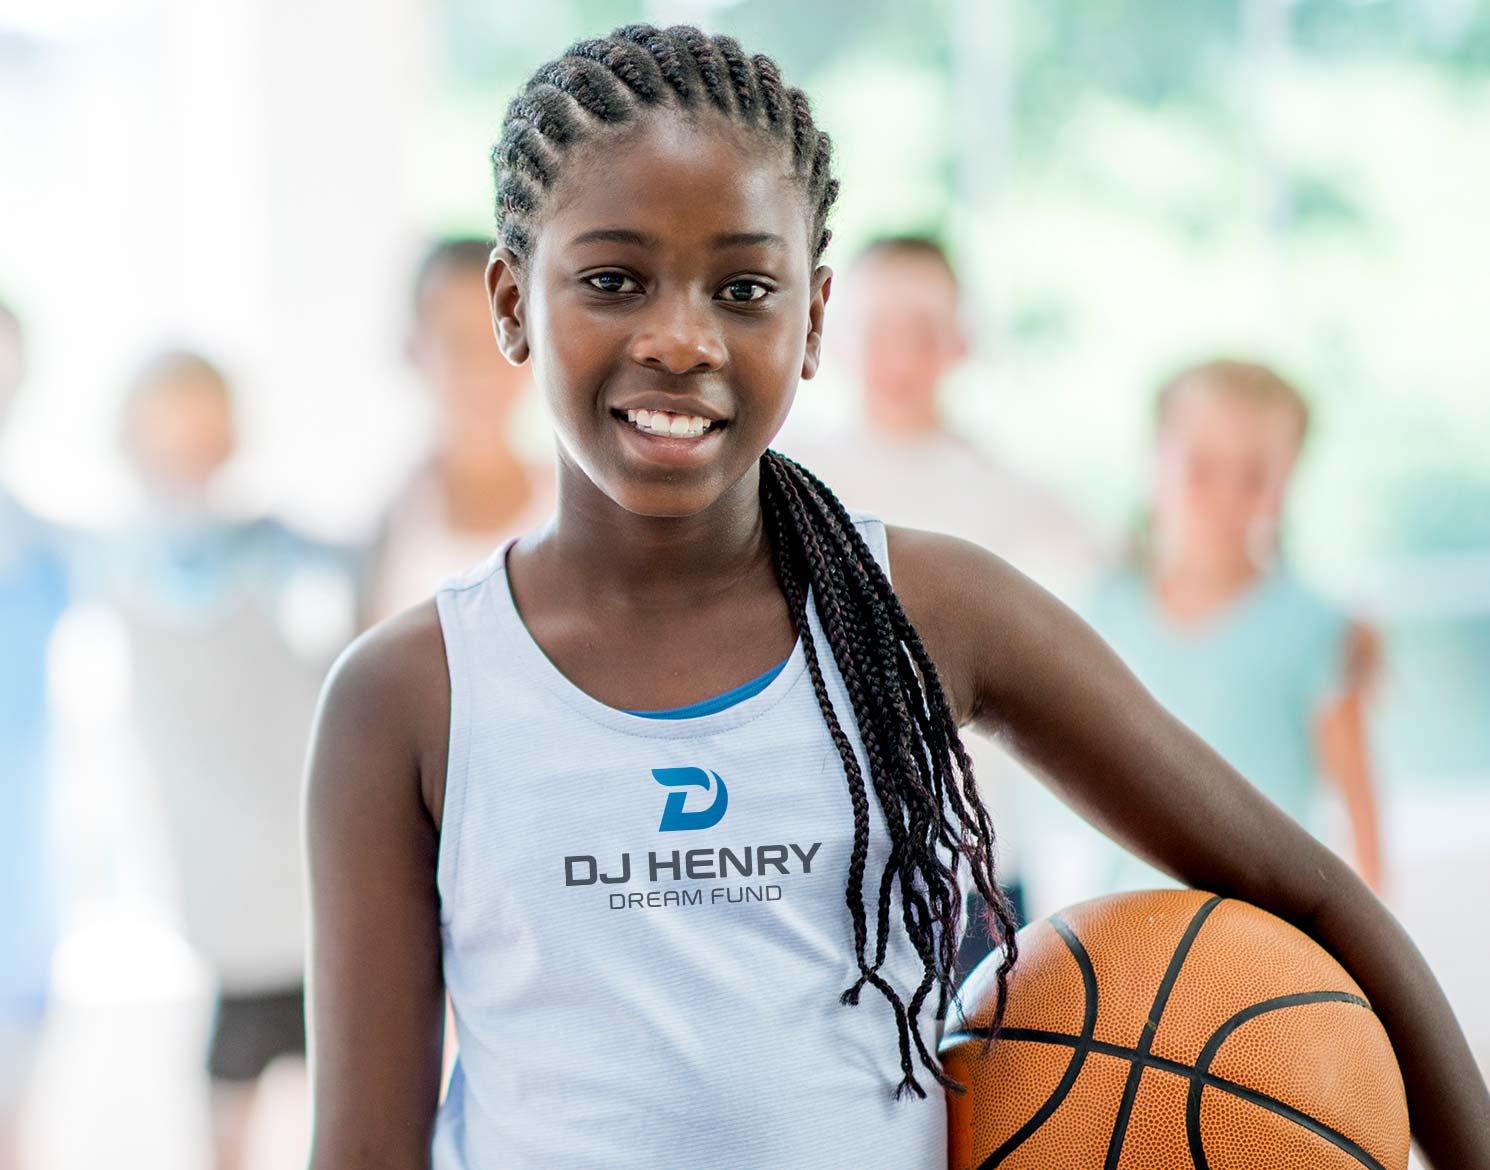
pixel 742 292
pixel 612 282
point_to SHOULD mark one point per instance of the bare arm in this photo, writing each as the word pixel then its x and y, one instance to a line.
pixel 376 991
pixel 1020 664
pixel 1340 738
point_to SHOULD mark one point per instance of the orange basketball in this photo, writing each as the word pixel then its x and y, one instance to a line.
pixel 1173 1030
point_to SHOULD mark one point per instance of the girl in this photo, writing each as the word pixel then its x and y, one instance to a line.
pixel 669 795
pixel 1265 671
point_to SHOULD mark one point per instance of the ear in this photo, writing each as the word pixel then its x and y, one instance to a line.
pixel 504 288
pixel 822 287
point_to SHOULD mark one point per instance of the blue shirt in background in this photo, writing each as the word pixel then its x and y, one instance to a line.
pixel 1250 680
pixel 33 595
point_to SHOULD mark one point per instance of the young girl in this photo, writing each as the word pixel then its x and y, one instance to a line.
pixel 1264 670
pixel 669 794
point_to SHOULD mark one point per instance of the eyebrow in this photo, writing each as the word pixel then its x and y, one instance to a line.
pixel 613 236
pixel 747 239
pixel 618 235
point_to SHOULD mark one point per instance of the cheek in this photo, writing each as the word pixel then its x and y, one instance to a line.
pixel 767 369
pixel 1173 477
pixel 774 353
pixel 567 355
pixel 1271 497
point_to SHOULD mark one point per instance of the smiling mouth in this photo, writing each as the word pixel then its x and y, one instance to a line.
pixel 664 424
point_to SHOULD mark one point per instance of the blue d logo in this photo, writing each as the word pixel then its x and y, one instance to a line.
pixel 674 815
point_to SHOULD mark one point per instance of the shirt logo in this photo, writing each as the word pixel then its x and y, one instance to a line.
pixel 674 816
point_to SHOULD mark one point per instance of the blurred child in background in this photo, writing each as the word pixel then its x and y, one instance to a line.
pixel 33 594
pixel 232 621
pixel 475 489
pixel 899 333
pixel 1215 624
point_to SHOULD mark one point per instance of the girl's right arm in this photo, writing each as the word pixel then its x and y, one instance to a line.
pixel 373 794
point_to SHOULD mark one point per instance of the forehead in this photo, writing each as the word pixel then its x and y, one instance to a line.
pixel 684 179
pixel 902 281
pixel 1206 414
pixel 181 390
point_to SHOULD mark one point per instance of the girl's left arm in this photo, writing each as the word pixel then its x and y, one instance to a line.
pixel 1019 664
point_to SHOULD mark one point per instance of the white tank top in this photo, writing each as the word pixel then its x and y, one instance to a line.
pixel 644 927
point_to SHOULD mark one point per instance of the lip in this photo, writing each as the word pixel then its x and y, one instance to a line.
pixel 672 404
pixel 665 449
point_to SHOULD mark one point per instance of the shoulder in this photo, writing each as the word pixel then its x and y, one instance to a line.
pixel 942 579
pixel 932 568
pixel 1302 602
pixel 1346 647
pixel 388 698
pixel 971 608
pixel 1296 613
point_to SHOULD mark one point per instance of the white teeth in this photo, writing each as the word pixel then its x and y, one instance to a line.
pixel 662 422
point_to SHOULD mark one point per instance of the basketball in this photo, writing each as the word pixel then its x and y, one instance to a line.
pixel 1172 1030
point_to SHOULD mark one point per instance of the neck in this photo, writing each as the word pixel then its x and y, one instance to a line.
pixel 651 562
pixel 1191 585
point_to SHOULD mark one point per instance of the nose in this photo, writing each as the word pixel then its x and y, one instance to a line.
pixel 679 336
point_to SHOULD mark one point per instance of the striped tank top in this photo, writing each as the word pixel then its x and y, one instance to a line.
pixel 644 928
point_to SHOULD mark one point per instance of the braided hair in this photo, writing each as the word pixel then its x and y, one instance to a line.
pixel 918 767
pixel 615 81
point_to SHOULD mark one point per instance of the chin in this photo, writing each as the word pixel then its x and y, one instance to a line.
pixel 663 502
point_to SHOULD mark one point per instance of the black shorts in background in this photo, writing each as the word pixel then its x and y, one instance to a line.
pixel 250 1032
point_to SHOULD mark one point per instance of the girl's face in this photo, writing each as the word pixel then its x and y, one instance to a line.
pixel 1222 472
pixel 670 289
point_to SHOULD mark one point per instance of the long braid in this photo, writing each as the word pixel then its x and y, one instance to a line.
pixel 918 770
pixel 922 735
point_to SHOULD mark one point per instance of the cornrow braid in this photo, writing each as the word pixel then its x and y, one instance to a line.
pixel 918 767
pixel 612 81
pixel 918 770
pixel 741 76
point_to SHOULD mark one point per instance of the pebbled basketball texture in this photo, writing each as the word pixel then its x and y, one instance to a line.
pixel 1172 1030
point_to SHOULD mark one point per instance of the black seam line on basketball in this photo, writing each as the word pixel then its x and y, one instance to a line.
pixel 1106 1047
pixel 1078 1056
pixel 1150 1026
pixel 1195 1076
pixel 1220 1036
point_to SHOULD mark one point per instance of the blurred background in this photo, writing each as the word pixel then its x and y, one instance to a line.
pixel 1124 187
